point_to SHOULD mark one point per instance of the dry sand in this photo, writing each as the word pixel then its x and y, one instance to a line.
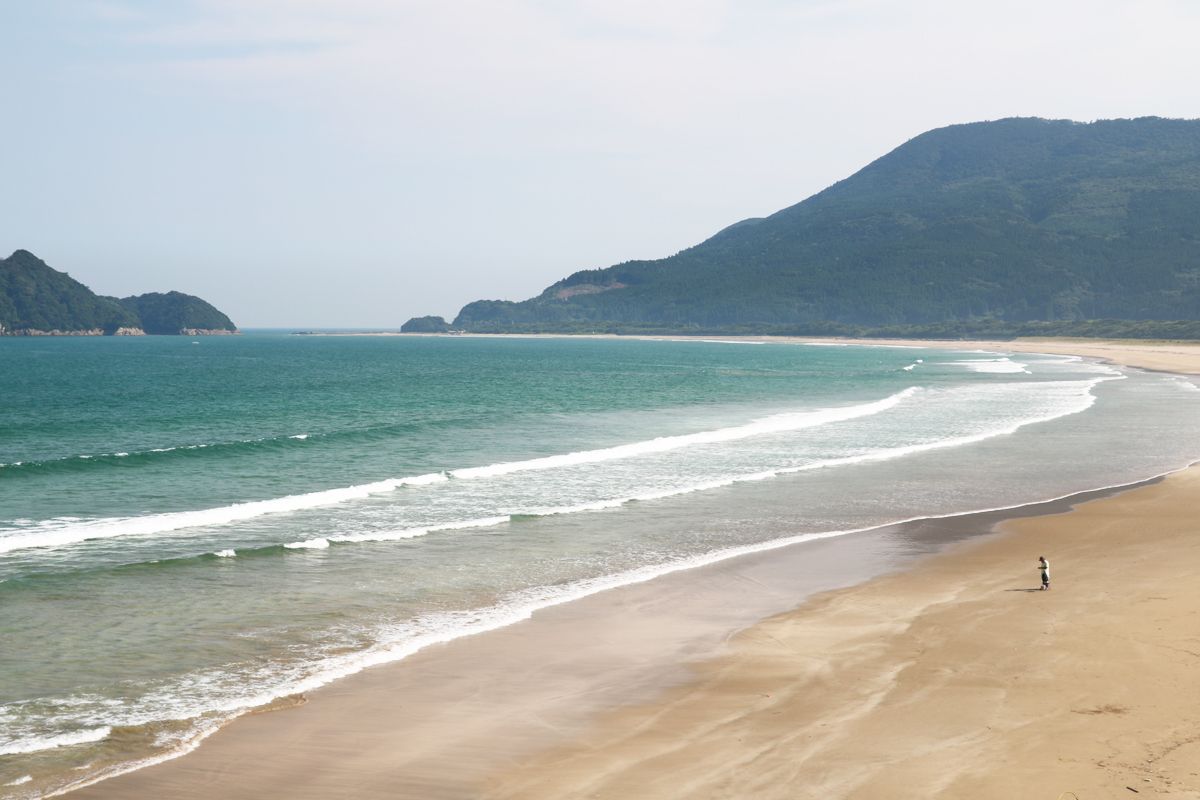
pixel 1163 356
pixel 957 679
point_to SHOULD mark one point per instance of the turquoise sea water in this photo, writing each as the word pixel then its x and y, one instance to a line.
pixel 191 528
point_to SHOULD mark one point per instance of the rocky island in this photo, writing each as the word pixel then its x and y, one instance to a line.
pixel 37 300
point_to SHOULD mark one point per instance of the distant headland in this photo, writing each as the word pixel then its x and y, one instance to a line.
pixel 1017 227
pixel 36 300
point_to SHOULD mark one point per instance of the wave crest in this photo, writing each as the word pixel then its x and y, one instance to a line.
pixel 59 534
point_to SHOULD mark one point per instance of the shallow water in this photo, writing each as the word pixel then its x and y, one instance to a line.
pixel 190 530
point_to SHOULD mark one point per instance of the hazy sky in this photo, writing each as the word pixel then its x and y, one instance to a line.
pixel 357 162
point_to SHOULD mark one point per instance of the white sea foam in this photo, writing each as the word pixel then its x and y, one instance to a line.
pixel 300 436
pixel 865 344
pixel 186 745
pixel 1081 403
pixel 1187 384
pixel 777 423
pixel 412 533
pixel 403 640
pixel 64 531
pixel 225 553
pixel 1078 363
pixel 997 365
pixel 1083 400
pixel 399 642
pixel 57 535
pixel 19 781
pixel 34 744
pixel 319 543
pixel 453 627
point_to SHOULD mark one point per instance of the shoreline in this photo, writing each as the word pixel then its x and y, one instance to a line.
pixel 205 762
pixel 959 680
pixel 1173 356
pixel 236 752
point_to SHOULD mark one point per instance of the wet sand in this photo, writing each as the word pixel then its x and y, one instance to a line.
pixel 959 679
pixel 944 680
pixel 437 723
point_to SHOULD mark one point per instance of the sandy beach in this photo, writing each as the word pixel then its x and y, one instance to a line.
pixel 955 678
pixel 1162 356
pixel 960 679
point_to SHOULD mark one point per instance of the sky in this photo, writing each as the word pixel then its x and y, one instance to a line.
pixel 353 163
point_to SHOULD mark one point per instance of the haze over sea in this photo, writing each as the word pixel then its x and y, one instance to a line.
pixel 189 529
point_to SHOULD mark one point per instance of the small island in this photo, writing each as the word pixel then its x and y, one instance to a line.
pixel 428 324
pixel 37 300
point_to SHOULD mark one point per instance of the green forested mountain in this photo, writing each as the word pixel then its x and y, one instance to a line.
pixel 174 312
pixel 990 223
pixel 34 298
pixel 37 298
pixel 425 325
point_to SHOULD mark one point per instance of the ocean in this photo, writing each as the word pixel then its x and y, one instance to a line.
pixel 193 528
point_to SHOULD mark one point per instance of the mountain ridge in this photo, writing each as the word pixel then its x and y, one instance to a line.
pixel 1011 222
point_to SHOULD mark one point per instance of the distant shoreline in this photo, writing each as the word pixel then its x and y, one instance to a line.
pixel 1179 356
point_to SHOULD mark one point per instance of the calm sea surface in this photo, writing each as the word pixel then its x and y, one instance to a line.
pixel 190 528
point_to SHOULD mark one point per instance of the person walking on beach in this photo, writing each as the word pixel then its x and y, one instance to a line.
pixel 1044 568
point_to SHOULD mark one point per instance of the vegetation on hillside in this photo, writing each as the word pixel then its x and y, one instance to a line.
pixel 981 226
pixel 36 298
pixel 428 324
pixel 958 329
pixel 173 312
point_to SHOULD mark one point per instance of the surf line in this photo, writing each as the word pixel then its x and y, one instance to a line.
pixel 886 454
pixel 520 606
pixel 55 534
